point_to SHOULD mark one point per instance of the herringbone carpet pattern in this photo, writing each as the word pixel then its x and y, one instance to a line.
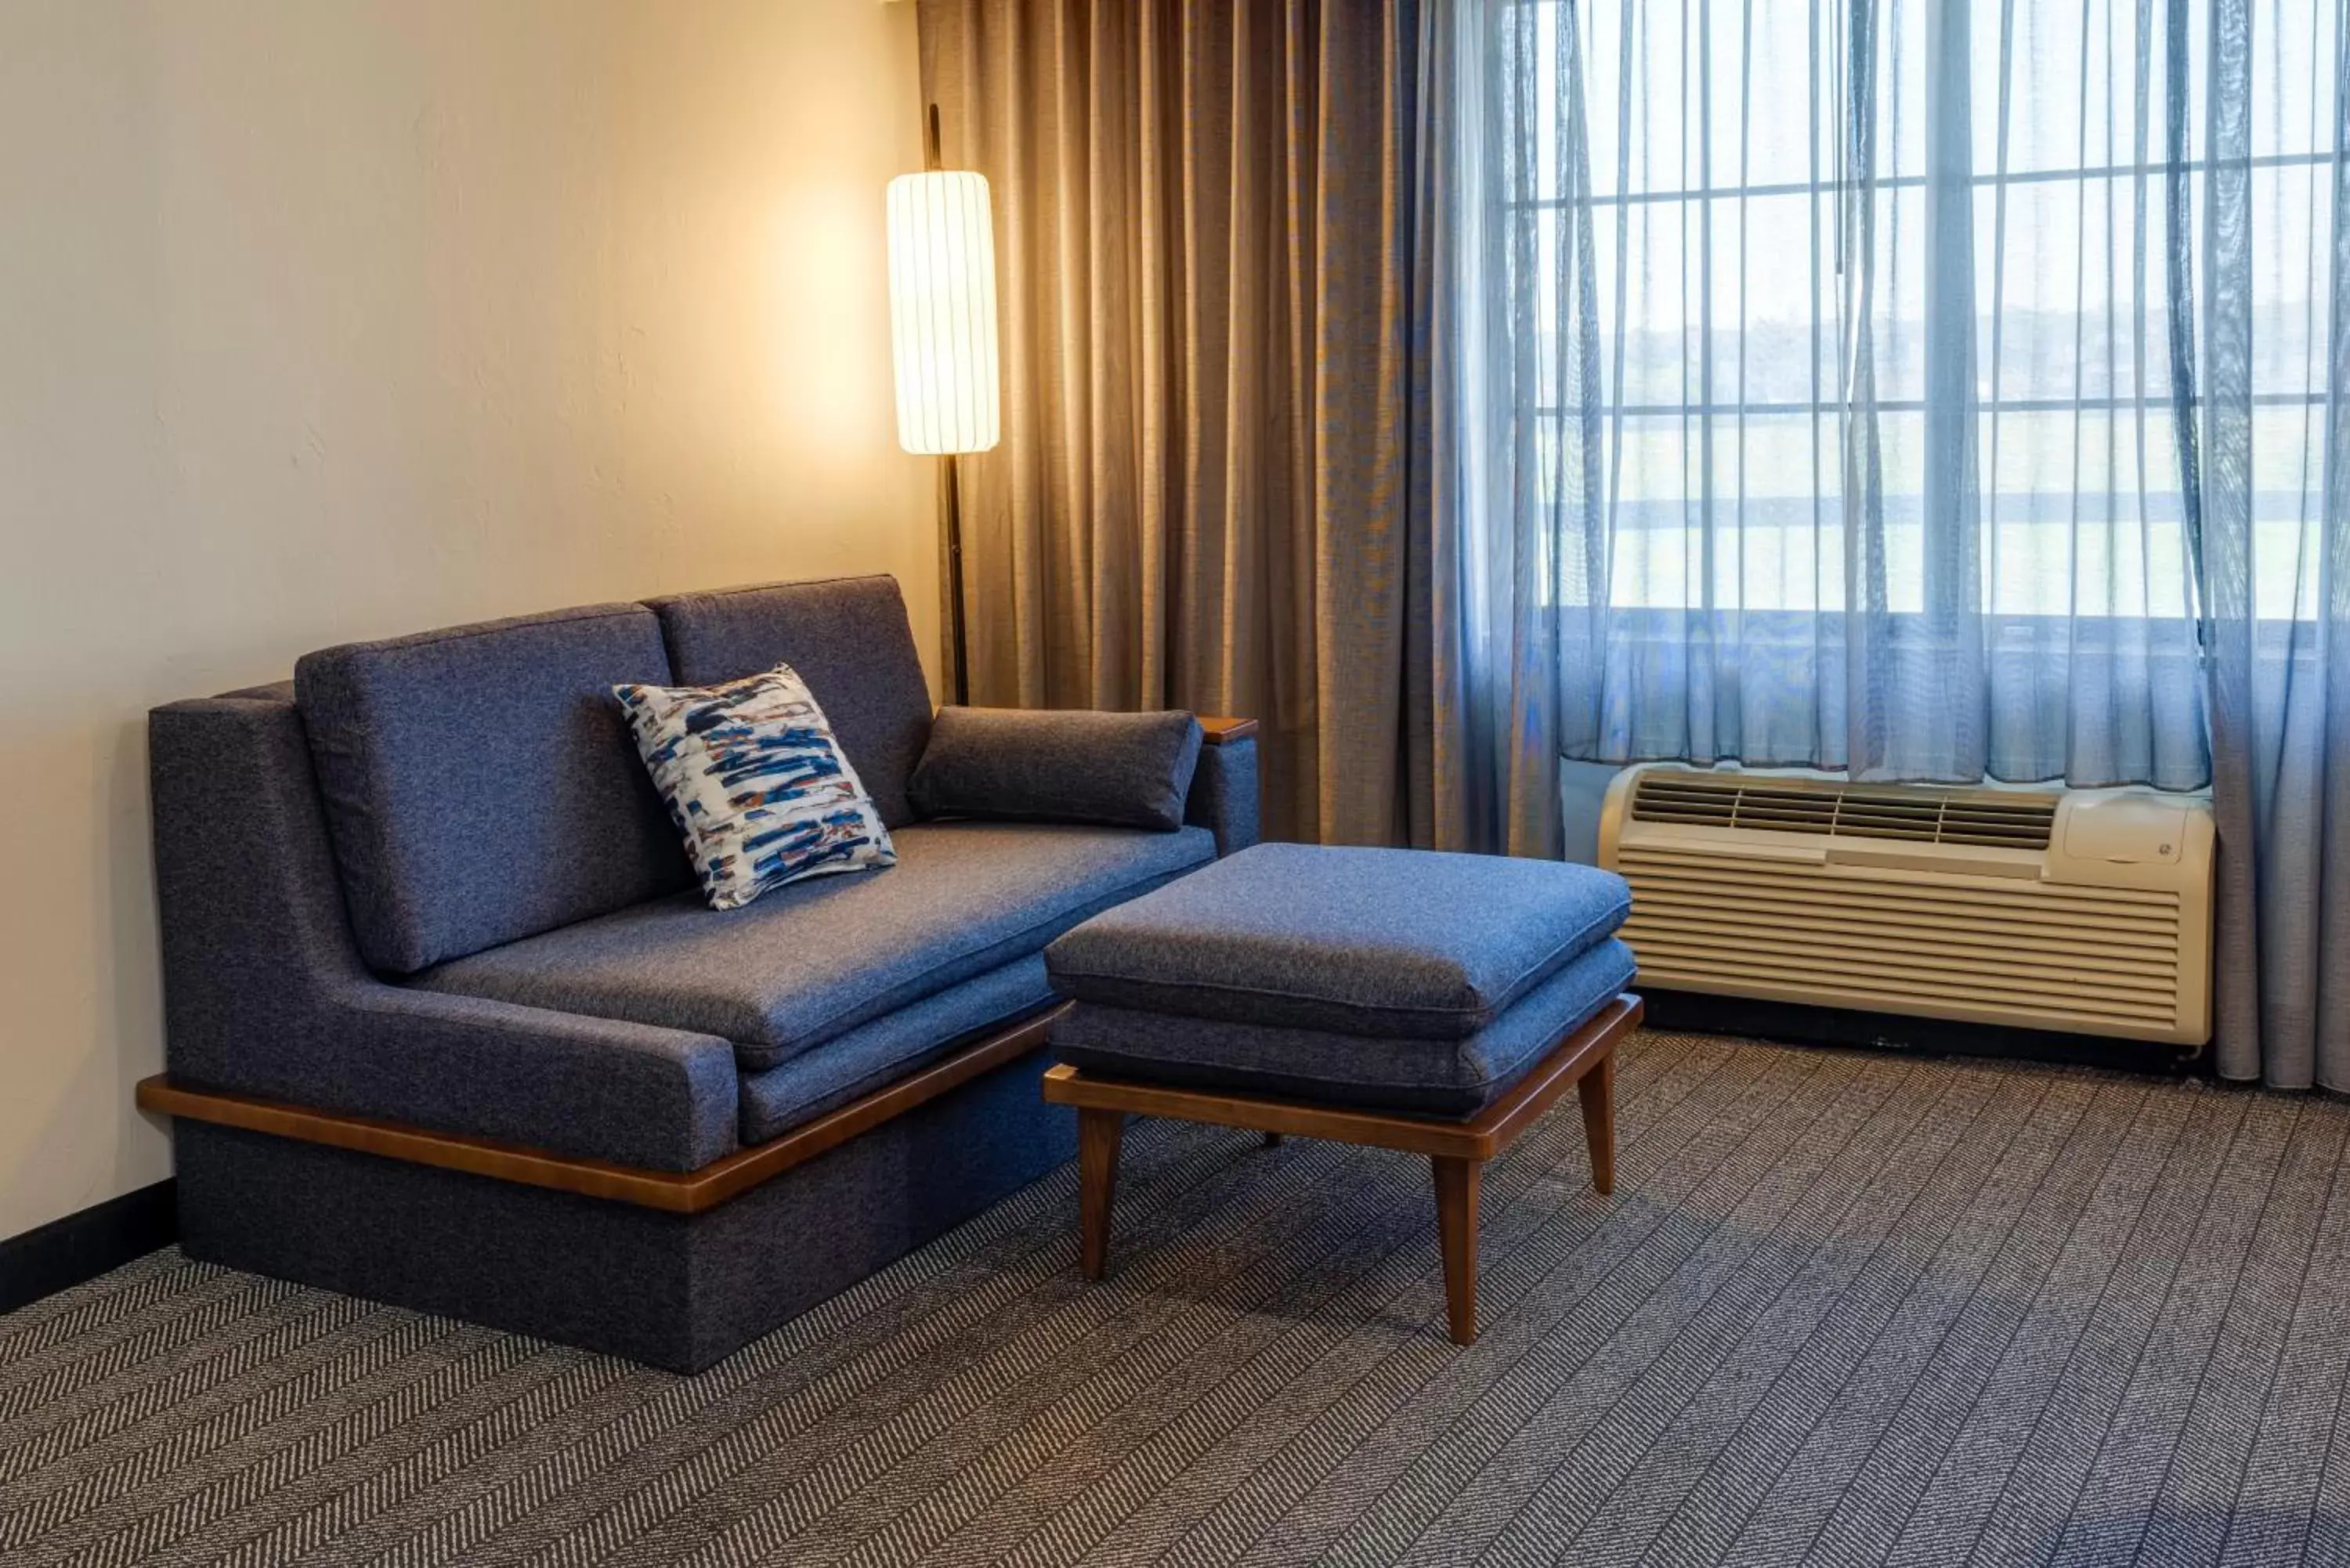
pixel 1844 1308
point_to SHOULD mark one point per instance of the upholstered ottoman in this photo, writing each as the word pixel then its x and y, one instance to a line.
pixel 1437 1004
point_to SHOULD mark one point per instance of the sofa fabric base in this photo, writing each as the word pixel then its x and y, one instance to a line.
pixel 674 1290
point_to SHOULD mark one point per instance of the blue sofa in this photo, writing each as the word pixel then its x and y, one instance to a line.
pixel 449 1025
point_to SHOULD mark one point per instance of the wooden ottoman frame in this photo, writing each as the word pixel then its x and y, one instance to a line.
pixel 1584 1059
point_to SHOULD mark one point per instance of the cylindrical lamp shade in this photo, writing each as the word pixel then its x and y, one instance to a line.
pixel 942 312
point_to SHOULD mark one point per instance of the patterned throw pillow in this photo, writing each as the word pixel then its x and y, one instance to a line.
pixel 755 782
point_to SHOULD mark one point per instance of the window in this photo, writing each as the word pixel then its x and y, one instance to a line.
pixel 2003 275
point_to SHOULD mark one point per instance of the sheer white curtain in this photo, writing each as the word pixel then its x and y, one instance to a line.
pixel 1879 448
pixel 2267 123
pixel 1934 390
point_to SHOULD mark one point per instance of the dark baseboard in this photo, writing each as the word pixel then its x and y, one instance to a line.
pixel 1790 1024
pixel 84 1245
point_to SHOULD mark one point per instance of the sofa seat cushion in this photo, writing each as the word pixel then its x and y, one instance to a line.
pixel 814 960
pixel 1401 1073
pixel 1391 942
pixel 872 1056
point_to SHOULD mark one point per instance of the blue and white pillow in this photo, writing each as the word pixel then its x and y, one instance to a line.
pixel 756 784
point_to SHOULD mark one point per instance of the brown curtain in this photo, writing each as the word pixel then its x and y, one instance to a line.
pixel 1213 490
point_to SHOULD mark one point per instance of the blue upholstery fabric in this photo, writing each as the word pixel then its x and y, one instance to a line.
pixel 1224 798
pixel 1441 1077
pixel 1019 764
pixel 265 993
pixel 481 784
pixel 1357 941
pixel 874 1056
pixel 677 1291
pixel 814 960
pixel 849 641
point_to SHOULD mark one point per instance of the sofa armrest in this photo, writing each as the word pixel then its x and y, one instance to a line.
pixel 265 993
pixel 1224 798
pixel 661 1099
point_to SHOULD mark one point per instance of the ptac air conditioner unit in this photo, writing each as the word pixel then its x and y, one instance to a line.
pixel 2087 911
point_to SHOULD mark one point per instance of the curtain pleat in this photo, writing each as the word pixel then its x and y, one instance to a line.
pixel 1212 485
pixel 2269 494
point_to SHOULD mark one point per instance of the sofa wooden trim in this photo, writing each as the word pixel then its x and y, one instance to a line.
pixel 1225 731
pixel 675 1192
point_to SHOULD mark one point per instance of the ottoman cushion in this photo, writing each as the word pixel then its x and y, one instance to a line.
pixel 1441 1077
pixel 1392 943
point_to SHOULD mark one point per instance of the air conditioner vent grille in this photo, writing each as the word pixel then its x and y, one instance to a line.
pixel 2103 960
pixel 1919 815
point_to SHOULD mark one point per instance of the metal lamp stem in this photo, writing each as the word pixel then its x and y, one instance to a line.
pixel 959 646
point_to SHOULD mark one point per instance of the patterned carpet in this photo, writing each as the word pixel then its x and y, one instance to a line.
pixel 1844 1308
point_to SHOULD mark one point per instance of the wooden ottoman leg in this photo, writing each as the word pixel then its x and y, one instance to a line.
pixel 1598 1093
pixel 1456 1229
pixel 1097 1139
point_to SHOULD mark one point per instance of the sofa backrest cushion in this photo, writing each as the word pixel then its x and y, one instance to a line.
pixel 480 781
pixel 849 641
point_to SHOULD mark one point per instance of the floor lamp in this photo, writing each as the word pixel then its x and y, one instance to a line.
pixel 942 341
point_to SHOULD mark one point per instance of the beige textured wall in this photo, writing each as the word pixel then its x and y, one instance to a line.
pixel 324 319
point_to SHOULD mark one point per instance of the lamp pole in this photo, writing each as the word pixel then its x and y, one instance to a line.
pixel 960 656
